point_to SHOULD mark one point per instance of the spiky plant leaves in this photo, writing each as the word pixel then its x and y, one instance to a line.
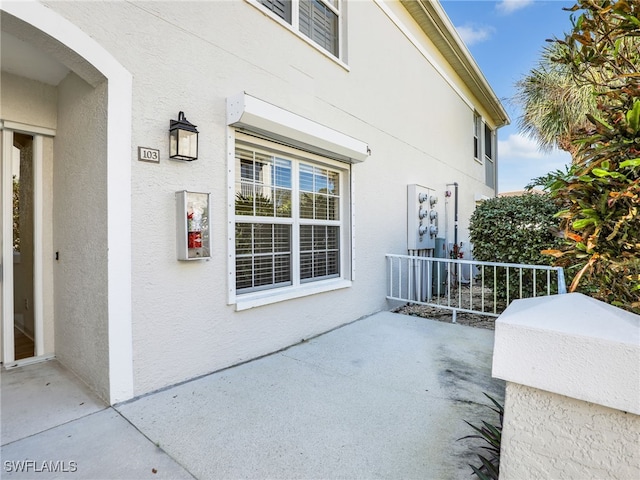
pixel 491 435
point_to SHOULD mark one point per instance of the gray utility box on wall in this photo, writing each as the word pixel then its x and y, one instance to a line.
pixel 193 235
pixel 422 218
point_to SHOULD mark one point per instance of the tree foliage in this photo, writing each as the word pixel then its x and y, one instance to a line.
pixel 600 193
pixel 554 107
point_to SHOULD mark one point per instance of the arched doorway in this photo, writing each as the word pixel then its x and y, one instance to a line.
pixel 81 272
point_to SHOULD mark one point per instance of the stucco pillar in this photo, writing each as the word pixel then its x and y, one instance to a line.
pixel 572 405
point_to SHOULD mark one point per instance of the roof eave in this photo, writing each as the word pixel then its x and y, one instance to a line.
pixel 435 23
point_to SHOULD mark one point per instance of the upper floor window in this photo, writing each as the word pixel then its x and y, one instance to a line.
pixel 488 142
pixel 316 19
pixel 489 156
pixel 477 125
pixel 484 148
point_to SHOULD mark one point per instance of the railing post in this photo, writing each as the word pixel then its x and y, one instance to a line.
pixel 562 286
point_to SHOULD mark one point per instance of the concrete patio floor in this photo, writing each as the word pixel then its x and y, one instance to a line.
pixel 383 397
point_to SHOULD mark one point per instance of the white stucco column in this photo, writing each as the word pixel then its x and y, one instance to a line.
pixel 572 406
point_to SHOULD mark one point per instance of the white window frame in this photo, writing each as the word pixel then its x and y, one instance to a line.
pixel 490 159
pixel 478 133
pixel 480 154
pixel 298 288
pixel 258 118
pixel 294 26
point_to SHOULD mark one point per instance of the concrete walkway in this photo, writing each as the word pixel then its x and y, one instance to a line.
pixel 383 397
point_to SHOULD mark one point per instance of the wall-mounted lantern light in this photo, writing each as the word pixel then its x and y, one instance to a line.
pixel 183 139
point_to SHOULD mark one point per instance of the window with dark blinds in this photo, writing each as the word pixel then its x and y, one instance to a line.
pixel 476 136
pixel 281 8
pixel 489 166
pixel 320 24
pixel 488 141
pixel 316 19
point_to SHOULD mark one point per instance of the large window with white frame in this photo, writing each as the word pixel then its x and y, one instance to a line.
pixel 290 216
pixel 319 20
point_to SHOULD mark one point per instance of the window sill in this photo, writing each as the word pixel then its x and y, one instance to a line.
pixel 258 299
pixel 478 160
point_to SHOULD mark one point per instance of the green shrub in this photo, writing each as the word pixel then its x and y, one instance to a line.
pixel 515 230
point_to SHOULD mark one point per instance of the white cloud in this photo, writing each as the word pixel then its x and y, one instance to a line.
pixel 518 146
pixel 519 161
pixel 507 7
pixel 471 34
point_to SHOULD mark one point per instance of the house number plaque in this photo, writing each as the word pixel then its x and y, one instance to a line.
pixel 148 155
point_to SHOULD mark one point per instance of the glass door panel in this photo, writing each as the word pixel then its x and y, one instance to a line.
pixel 23 245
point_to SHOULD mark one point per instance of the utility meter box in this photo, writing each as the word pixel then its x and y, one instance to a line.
pixel 422 217
pixel 192 213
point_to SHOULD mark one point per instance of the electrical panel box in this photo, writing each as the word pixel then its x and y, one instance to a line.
pixel 194 237
pixel 422 218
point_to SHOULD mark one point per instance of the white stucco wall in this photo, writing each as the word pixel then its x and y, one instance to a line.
pixel 48 302
pixel 191 59
pixel 80 232
pixel 572 404
pixel 28 101
pixel 546 435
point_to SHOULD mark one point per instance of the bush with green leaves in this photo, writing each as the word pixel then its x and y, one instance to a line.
pixel 600 194
pixel 515 230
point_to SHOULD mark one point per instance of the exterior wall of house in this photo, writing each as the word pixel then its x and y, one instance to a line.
pixel 48 297
pixel 80 232
pixel 193 58
pixel 572 404
pixel 35 103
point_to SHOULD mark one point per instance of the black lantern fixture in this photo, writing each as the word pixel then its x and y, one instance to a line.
pixel 183 139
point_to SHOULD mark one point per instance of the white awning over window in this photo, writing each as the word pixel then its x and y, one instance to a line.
pixel 275 123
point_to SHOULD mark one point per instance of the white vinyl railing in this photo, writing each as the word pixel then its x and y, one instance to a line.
pixel 471 286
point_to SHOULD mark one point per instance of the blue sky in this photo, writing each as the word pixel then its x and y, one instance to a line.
pixel 506 37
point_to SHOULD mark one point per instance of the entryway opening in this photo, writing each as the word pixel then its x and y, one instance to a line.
pixel 23 245
pixel 61 95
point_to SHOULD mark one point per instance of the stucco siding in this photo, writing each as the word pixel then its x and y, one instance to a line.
pixel 191 59
pixel 547 435
pixel 80 235
pixel 28 101
pixel 47 247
